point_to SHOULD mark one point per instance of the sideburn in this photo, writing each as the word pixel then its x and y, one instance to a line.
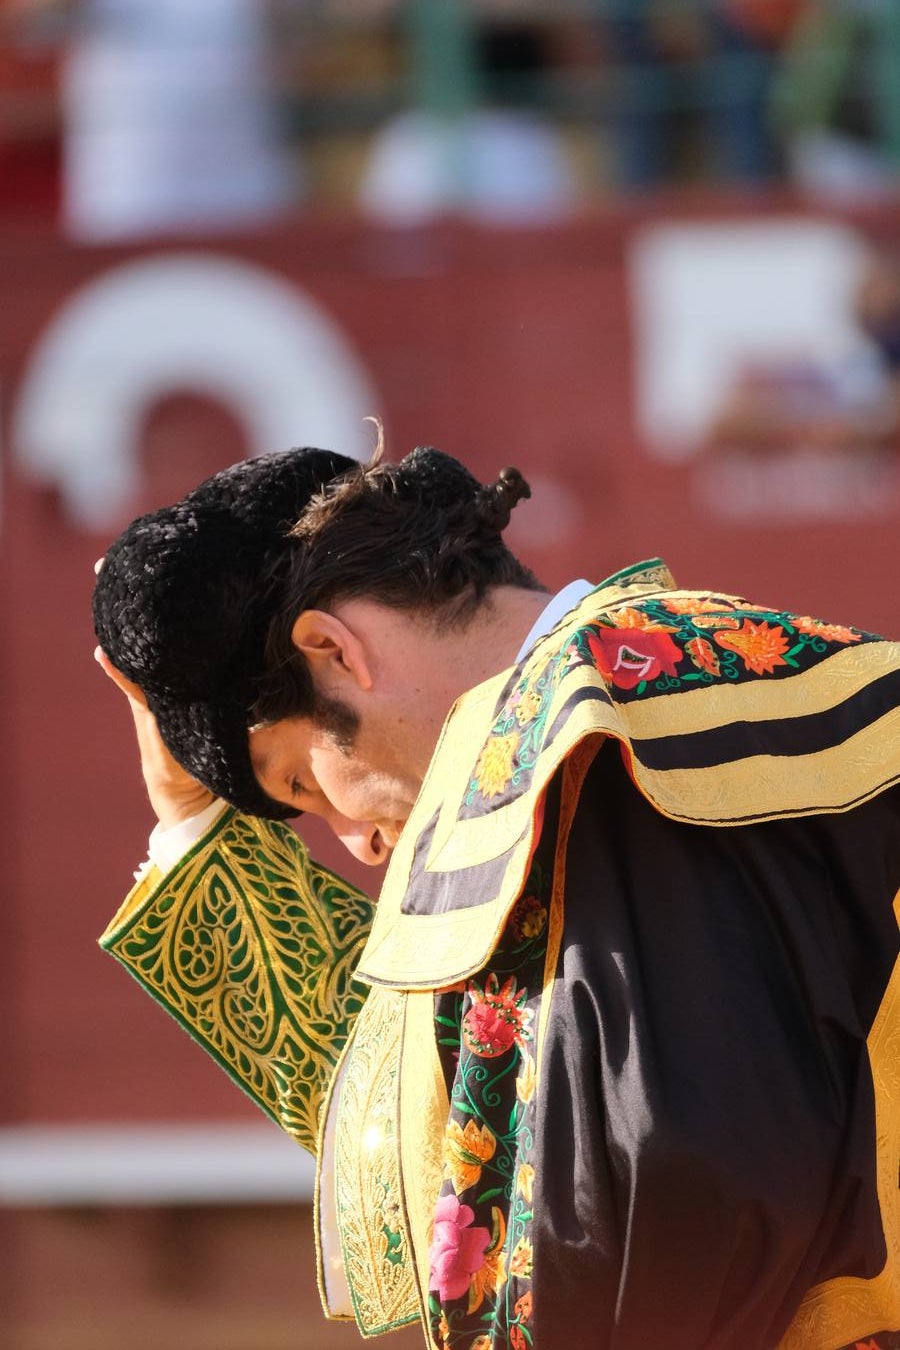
pixel 338 720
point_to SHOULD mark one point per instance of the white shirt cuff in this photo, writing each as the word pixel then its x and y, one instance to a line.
pixel 168 846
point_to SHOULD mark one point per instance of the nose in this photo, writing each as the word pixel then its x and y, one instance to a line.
pixel 361 838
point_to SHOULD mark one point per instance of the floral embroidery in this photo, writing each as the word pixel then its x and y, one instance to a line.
pixel 760 645
pixel 715 620
pixel 466 1148
pixel 629 617
pixel 626 656
pixel 477 1301
pixel 526 1080
pixel 831 632
pixel 703 654
pixel 527 706
pixel 529 917
pixel 525 1181
pixel 491 1274
pixel 457 1249
pixel 521 1259
pixel 497 1018
pixel 495 766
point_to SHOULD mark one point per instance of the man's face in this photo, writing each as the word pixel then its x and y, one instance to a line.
pixel 359 787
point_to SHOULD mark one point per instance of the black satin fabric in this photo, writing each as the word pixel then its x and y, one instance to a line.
pixel 705 1142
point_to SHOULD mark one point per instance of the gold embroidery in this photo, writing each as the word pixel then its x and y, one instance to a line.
pixel 424 1109
pixel 374 1235
pixel 847 1309
pixel 251 947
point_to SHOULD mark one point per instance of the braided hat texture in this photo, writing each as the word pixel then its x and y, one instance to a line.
pixel 183 602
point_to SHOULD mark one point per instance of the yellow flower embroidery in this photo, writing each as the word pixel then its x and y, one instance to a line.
pixel 464 1152
pixel 444 1329
pixel 481 1343
pixel 521 1260
pixel 528 706
pixel 525 1083
pixel 525 1182
pixel 494 768
pixel 493 1272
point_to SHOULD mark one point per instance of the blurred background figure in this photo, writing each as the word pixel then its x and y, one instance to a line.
pixel 837 99
pixel 850 405
pixel 475 143
pixel 710 62
pixel 168 117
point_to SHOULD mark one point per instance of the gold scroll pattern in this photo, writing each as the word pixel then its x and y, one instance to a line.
pixel 375 1241
pixel 251 946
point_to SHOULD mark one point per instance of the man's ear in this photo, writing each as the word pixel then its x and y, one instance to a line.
pixel 334 652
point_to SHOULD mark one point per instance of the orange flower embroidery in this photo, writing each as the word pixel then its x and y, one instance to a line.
pixel 715 621
pixel 760 646
pixel 492 1273
pixel 831 632
pixel 465 1150
pixel 694 604
pixel 494 768
pixel 481 1343
pixel 636 618
pixel 523 1305
pixel 703 654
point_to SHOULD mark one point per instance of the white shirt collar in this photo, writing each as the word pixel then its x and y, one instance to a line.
pixel 553 611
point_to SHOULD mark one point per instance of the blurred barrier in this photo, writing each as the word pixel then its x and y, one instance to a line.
pixel 63 1166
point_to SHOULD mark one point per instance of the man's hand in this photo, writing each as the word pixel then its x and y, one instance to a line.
pixel 174 794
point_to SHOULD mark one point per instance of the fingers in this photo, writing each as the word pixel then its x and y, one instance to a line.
pixel 132 691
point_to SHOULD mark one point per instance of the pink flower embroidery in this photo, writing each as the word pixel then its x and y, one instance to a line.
pixel 497 1018
pixel 457 1250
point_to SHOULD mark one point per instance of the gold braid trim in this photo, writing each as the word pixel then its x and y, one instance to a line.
pixel 251 947
pixel 374 1230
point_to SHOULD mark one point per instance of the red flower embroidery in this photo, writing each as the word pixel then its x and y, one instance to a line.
pixel 625 656
pixel 517 1338
pixel 457 1249
pixel 497 1018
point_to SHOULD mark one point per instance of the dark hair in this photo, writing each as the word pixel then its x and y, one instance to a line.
pixel 422 536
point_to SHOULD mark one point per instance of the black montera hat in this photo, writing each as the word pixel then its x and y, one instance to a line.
pixel 183 602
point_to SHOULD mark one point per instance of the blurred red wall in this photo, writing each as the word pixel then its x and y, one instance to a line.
pixel 500 348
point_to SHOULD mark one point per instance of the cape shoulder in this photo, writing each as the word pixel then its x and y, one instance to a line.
pixel 727 713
